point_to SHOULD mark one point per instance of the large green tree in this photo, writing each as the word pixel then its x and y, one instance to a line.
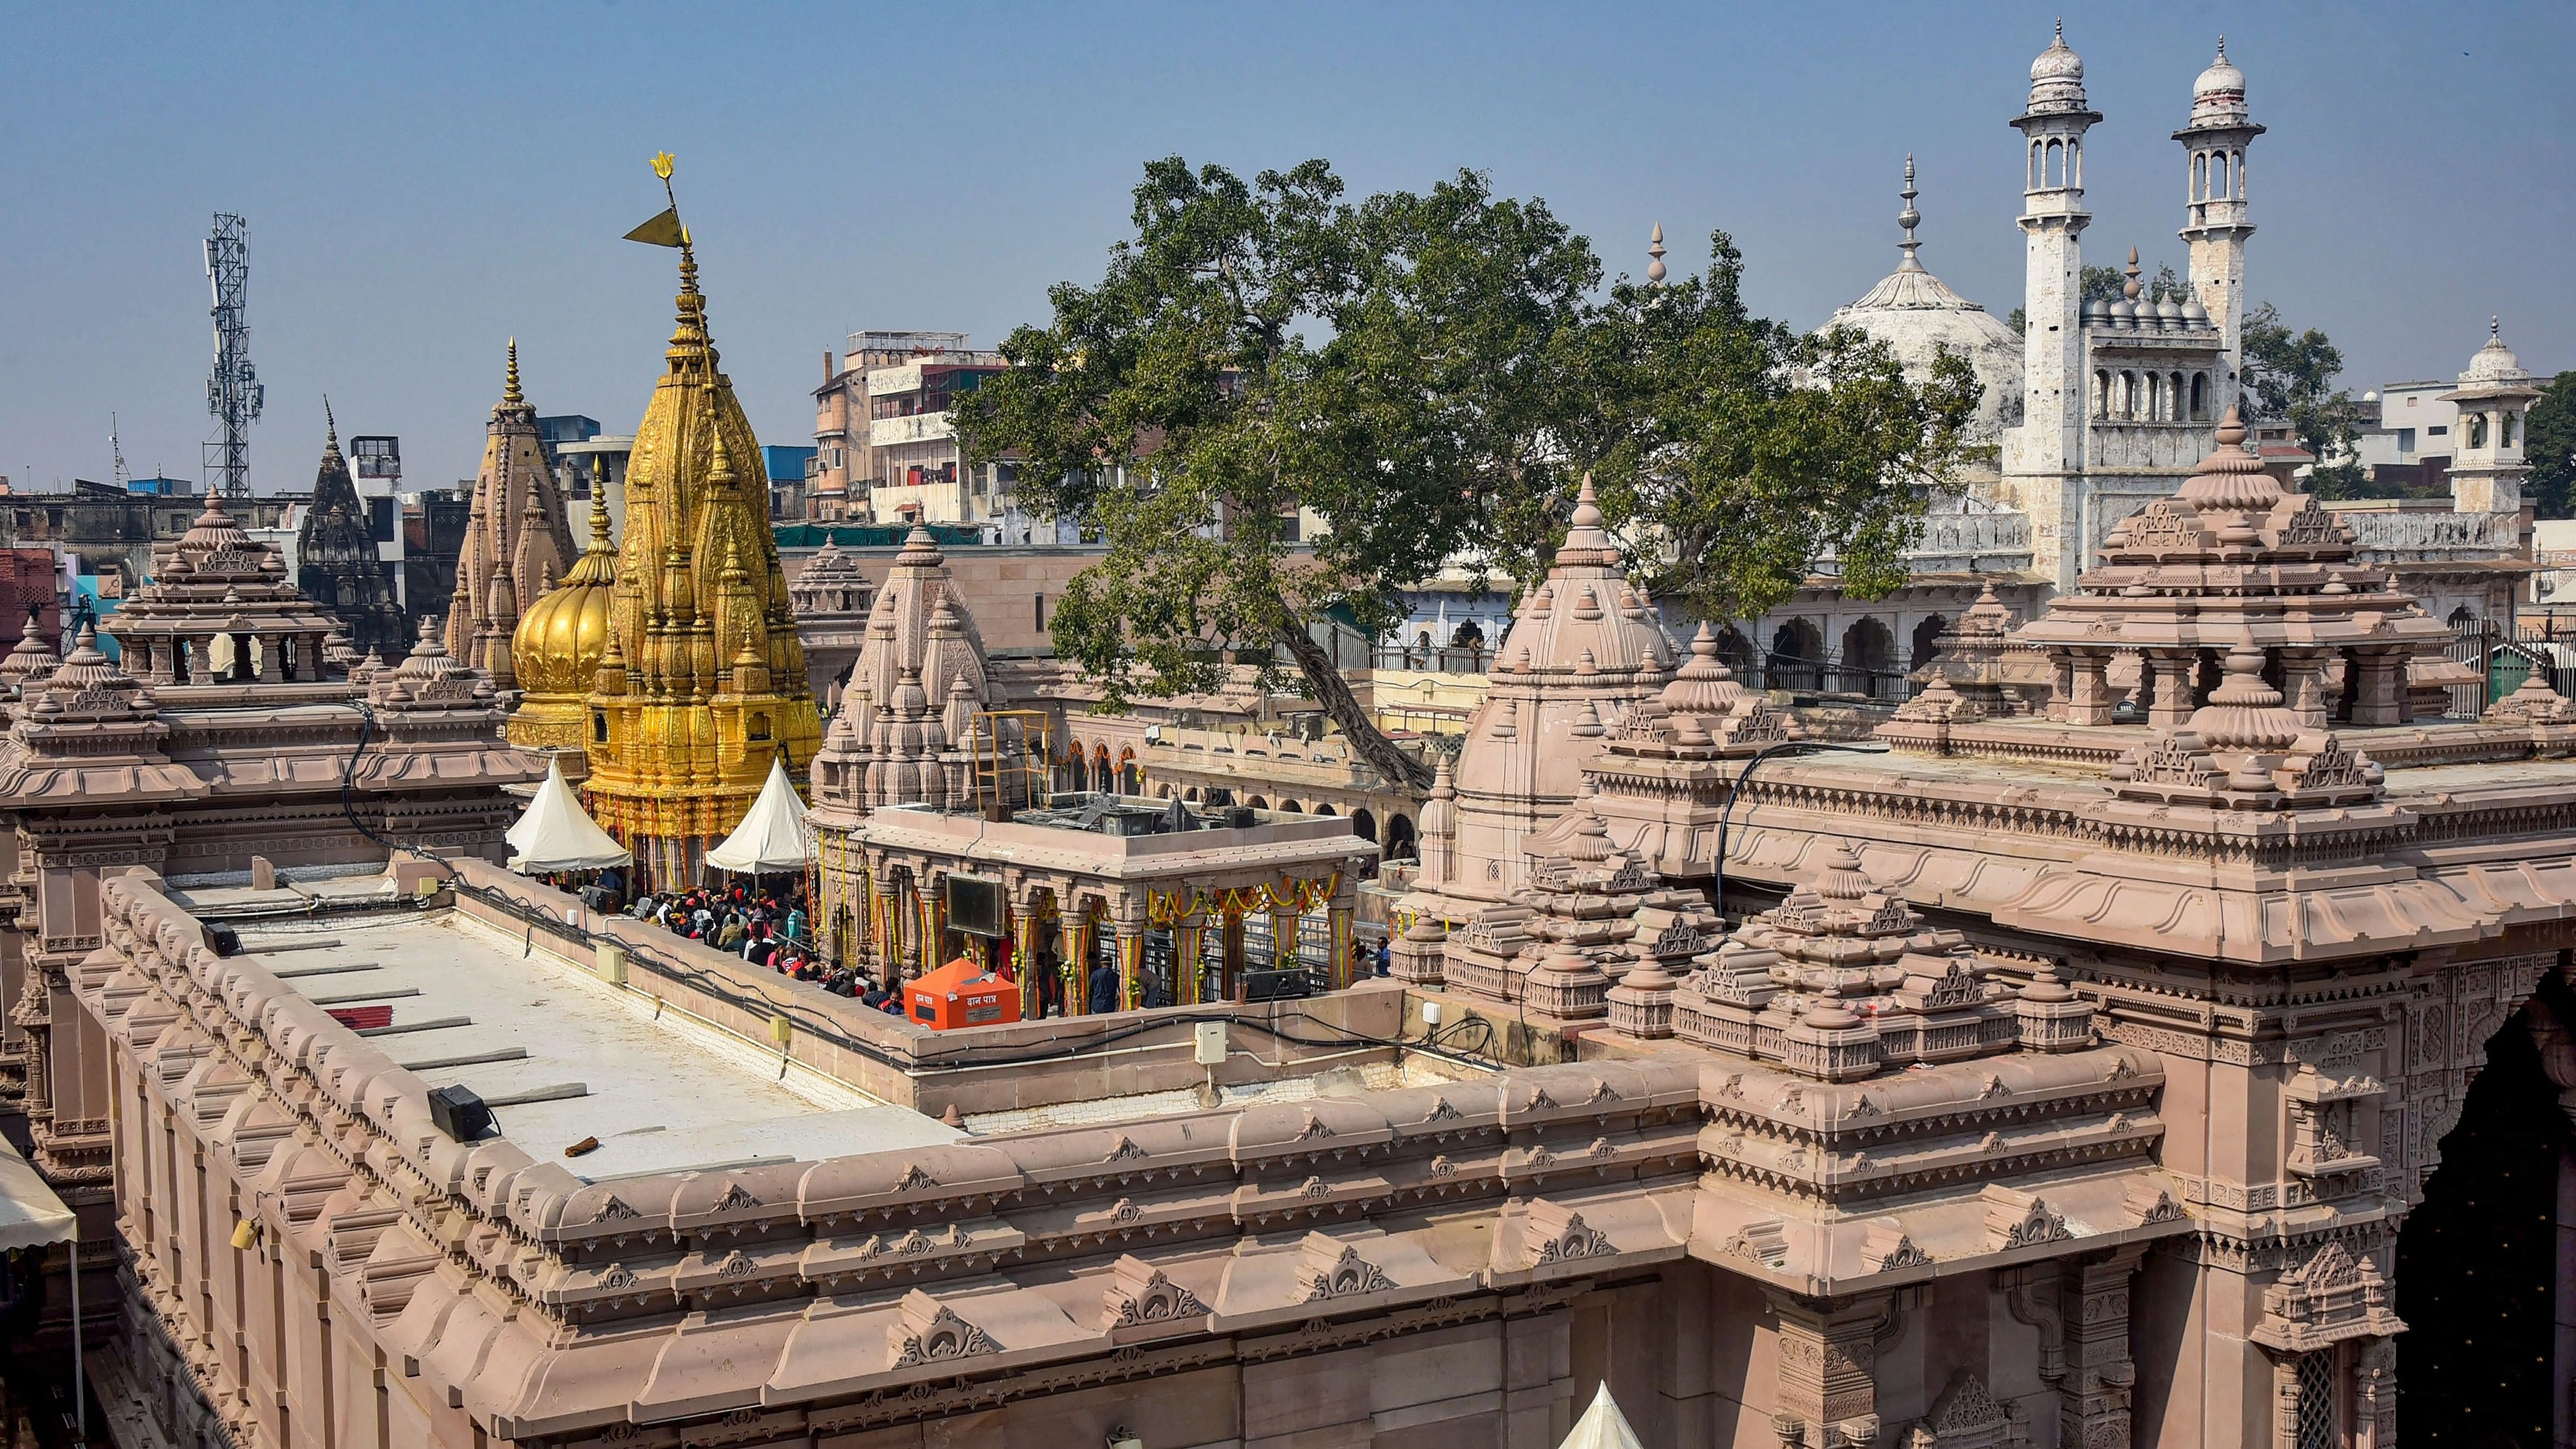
pixel 2549 444
pixel 2295 377
pixel 1747 451
pixel 1257 351
pixel 1429 375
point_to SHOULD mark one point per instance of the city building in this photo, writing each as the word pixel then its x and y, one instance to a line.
pixel 340 565
pixel 700 683
pixel 517 542
pixel 786 466
pixel 845 462
pixel 375 468
pixel 230 743
pixel 107 530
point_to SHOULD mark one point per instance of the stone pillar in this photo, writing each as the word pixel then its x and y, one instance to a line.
pixel 1070 917
pixel 1283 939
pixel 2168 676
pixel 1337 917
pixel 2374 1395
pixel 2382 698
pixel 1828 1390
pixel 2285 1401
pixel 1129 923
pixel 885 933
pixel 2093 1401
pixel 1189 945
pixel 1025 930
pixel 2089 702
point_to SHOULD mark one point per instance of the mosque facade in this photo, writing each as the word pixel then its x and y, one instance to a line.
pixel 2095 409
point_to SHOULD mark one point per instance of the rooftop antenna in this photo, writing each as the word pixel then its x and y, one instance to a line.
pixel 233 393
pixel 115 451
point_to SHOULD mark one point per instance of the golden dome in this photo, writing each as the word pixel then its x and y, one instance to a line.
pixel 556 649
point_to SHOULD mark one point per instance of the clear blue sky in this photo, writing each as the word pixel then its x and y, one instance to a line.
pixel 424 182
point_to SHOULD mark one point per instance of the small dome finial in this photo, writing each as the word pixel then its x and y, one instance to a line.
pixel 2222 47
pixel 510 393
pixel 1909 219
pixel 1655 272
pixel 2495 327
pixel 2131 288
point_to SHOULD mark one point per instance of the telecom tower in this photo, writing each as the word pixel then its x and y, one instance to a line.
pixel 233 393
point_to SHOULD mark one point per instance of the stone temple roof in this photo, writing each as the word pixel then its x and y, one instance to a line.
pixel 217 579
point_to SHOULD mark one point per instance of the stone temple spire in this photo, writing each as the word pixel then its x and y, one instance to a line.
pixel 517 518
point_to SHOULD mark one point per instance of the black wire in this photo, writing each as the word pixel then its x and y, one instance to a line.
pixel 348 804
pixel 1736 791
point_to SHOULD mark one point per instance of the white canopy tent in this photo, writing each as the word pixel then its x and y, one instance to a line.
pixel 557 834
pixel 1602 1426
pixel 772 837
pixel 32 1216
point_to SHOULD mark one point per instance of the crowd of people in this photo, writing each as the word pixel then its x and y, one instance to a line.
pixel 769 928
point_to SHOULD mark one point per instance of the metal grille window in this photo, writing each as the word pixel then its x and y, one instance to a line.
pixel 2317 1427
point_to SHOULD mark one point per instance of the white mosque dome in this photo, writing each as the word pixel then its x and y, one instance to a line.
pixel 1916 314
pixel 2494 362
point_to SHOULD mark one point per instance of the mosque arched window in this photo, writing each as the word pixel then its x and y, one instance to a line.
pixel 2199 397
pixel 2504 430
pixel 1365 823
pixel 2200 176
pixel 2101 392
pixel 2477 435
pixel 2174 407
pixel 2218 175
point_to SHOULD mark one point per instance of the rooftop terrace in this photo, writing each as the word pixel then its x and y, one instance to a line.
pixel 558 1054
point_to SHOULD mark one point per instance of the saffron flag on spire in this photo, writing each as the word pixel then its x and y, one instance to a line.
pixel 663 230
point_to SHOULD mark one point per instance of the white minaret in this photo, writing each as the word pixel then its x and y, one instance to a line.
pixel 2220 130
pixel 2044 467
pixel 2494 398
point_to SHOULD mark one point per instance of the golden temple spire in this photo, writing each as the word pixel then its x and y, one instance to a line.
pixel 510 394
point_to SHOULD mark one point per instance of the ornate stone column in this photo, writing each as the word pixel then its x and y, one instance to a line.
pixel 2093 1400
pixel 2090 700
pixel 2169 677
pixel 1127 919
pixel 1189 945
pixel 1828 1389
pixel 1071 915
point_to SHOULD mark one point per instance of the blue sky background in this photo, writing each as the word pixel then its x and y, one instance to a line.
pixel 423 183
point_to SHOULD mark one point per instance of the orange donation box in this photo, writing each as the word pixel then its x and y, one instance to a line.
pixel 961 993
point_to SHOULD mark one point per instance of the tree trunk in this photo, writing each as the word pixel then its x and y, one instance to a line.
pixel 1334 692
